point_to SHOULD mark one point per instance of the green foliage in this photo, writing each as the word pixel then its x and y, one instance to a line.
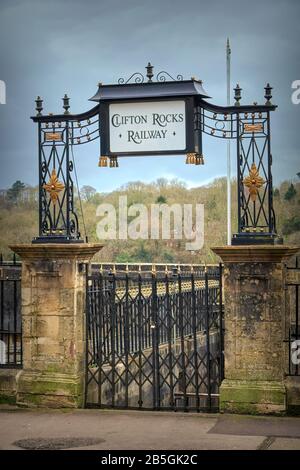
pixel 276 192
pixel 87 193
pixel 291 193
pixel 123 258
pixel 211 204
pixel 14 192
pixel 169 257
pixel 19 221
pixel 161 199
pixel 143 254
pixel 291 225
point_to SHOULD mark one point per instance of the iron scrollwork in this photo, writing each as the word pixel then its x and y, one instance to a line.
pixel 164 76
pixel 138 77
pixel 84 131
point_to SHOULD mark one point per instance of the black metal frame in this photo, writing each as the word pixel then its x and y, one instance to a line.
pixel 189 129
pixel 256 219
pixel 58 222
pixel 154 339
pixel 248 125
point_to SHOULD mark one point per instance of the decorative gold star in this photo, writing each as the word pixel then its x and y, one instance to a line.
pixel 253 182
pixel 53 187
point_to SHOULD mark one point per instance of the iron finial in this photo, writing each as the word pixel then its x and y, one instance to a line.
pixel 39 106
pixel 268 94
pixel 237 94
pixel 149 69
pixel 66 104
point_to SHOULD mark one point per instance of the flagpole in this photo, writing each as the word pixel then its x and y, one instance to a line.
pixel 228 54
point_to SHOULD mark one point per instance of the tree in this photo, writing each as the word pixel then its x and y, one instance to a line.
pixel 176 183
pixel 168 257
pixel 291 225
pixel 161 199
pixel 161 183
pixel 298 174
pixel 276 192
pixel 291 193
pixel 211 204
pixel 124 258
pixel 133 186
pixel 14 192
pixel 87 192
pixel 142 254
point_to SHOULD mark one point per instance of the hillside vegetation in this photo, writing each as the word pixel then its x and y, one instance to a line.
pixel 19 216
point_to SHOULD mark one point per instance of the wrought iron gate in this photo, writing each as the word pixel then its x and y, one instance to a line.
pixel 155 338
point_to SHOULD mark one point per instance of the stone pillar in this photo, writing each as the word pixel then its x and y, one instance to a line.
pixel 254 328
pixel 53 322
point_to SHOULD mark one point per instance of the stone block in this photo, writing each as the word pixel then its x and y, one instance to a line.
pixel 54 390
pixel 8 385
pixel 254 397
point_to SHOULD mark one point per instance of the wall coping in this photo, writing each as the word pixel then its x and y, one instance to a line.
pixel 51 251
pixel 255 253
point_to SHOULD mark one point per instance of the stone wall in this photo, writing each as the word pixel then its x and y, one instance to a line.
pixel 8 385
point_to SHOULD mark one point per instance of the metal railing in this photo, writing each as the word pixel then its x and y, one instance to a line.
pixel 14 261
pixel 10 313
pixel 197 269
pixel 292 317
pixel 131 296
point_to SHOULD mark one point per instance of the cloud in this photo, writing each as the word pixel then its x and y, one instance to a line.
pixel 50 48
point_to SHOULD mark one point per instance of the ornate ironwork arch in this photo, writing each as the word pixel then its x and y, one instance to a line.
pixel 248 125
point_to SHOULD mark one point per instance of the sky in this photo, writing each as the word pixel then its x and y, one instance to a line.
pixel 50 48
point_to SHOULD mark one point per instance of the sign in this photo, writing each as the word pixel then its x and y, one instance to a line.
pixel 156 126
pixel 258 127
pixel 53 136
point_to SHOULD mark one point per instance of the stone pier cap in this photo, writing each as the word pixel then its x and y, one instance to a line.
pixel 51 251
pixel 255 253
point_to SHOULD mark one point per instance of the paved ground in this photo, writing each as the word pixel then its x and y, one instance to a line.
pixel 109 430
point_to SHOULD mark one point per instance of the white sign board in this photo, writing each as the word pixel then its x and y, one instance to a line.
pixel 147 127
